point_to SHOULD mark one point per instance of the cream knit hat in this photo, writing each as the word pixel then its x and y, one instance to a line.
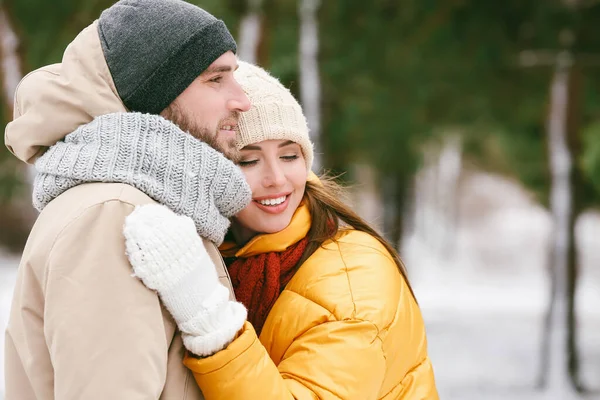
pixel 275 113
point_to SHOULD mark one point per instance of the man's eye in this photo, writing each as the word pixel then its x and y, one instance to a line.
pixel 217 79
pixel 247 163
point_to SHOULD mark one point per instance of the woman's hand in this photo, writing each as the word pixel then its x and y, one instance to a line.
pixel 167 254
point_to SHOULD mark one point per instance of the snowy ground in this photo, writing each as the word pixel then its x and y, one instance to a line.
pixel 483 291
pixel 484 294
pixel 484 336
pixel 8 273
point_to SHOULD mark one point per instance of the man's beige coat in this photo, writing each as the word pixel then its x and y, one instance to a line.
pixel 81 326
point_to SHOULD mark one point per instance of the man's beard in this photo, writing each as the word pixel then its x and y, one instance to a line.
pixel 175 114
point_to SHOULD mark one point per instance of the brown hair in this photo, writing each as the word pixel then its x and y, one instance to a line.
pixel 324 199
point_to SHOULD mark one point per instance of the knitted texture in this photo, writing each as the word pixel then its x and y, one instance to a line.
pixel 156 157
pixel 169 257
pixel 156 48
pixel 275 113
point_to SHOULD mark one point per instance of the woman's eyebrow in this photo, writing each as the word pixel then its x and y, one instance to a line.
pixel 257 147
pixel 286 143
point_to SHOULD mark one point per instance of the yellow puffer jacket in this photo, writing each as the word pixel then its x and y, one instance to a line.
pixel 345 327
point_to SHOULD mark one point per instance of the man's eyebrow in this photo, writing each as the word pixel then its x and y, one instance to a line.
pixel 217 68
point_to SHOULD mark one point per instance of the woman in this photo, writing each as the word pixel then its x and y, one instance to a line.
pixel 330 312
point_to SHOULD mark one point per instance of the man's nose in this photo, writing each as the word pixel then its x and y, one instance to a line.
pixel 239 101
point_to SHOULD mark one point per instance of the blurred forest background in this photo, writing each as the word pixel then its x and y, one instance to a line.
pixel 465 128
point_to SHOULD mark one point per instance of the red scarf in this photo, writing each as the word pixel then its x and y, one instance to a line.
pixel 258 280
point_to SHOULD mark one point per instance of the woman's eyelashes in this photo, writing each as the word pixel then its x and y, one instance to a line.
pixel 289 158
pixel 247 163
pixel 254 161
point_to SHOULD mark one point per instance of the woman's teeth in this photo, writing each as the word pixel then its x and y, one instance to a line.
pixel 272 202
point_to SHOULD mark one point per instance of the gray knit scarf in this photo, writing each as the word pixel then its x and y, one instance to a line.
pixel 154 156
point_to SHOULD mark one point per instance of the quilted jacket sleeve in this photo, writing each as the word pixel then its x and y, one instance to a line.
pixel 350 366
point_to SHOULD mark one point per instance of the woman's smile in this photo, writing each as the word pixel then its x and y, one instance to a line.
pixel 274 204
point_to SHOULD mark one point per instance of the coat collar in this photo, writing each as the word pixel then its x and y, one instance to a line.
pixel 278 241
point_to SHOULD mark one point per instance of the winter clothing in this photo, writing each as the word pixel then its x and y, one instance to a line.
pixel 153 155
pixel 345 327
pixel 53 101
pixel 168 257
pixel 156 48
pixel 80 326
pixel 258 280
pixel 275 113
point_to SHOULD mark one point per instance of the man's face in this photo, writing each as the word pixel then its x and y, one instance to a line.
pixel 209 108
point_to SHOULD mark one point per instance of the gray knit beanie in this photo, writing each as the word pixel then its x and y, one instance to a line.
pixel 156 48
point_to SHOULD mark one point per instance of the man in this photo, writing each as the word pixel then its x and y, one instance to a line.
pixel 81 327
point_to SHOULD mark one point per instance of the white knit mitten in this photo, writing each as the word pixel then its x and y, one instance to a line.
pixel 168 256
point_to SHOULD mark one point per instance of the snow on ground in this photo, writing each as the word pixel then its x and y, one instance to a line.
pixel 8 274
pixel 483 290
pixel 484 296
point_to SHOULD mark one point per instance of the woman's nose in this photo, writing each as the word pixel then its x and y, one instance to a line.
pixel 275 177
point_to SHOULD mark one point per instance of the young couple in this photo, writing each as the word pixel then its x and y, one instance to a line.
pixel 128 136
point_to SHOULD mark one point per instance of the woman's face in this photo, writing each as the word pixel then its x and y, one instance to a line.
pixel 276 172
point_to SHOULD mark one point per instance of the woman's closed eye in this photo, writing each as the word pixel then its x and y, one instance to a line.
pixel 251 162
pixel 290 157
pixel 247 163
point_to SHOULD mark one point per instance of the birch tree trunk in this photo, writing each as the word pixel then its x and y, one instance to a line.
pixel 11 65
pixel 450 166
pixel 310 83
pixel 16 214
pixel 560 312
pixel 250 32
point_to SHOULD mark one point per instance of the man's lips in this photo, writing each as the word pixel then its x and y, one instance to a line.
pixel 228 125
